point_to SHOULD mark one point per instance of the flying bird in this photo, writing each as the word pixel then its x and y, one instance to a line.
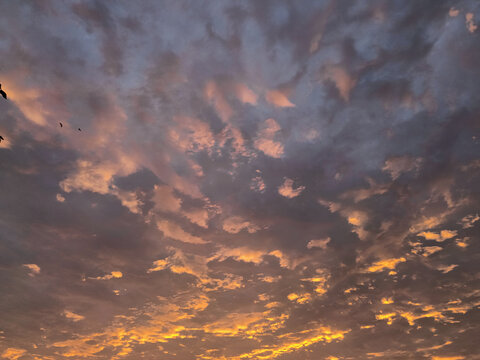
pixel 79 129
pixel 1 138
pixel 3 93
pixel 61 125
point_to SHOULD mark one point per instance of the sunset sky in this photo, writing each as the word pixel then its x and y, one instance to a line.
pixel 253 179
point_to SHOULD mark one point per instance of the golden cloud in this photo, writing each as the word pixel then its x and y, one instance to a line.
pixel 386 264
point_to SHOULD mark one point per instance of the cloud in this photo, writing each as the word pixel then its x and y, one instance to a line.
pixel 401 164
pixel 34 269
pixel 429 250
pixel 13 353
pixel 440 237
pixel 257 184
pixel 469 22
pixel 265 140
pixel 320 243
pixel 191 135
pixel 250 255
pixel 269 147
pixel 299 298
pixel 241 254
pixel 112 275
pixel 214 94
pixel 199 217
pixel 278 99
pixel 386 264
pixel 453 12
pixel 319 335
pixel 469 221
pixel 245 95
pixel 287 190
pixel 252 180
pixel 72 316
pixel 237 324
pixel 342 80
pixel 235 224
pixel 447 268
pixel 175 232
pixel 165 199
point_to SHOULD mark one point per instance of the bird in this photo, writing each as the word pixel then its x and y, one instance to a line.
pixel 3 93
pixel 61 125
pixel 1 138
pixel 79 129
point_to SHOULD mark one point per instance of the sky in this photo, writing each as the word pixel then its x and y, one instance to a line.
pixel 236 180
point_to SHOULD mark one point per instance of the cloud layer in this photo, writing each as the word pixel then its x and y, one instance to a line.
pixel 252 180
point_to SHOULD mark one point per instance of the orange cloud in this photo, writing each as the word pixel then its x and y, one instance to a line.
pixel 241 254
pixel 191 135
pixel 99 177
pixel 72 316
pixel 165 200
pixel 362 194
pixel 112 275
pixel 265 140
pixel 320 243
pixel 278 99
pixel 13 353
pixel 398 165
pixel 270 127
pixel 462 243
pixel 319 282
pixel 31 102
pixel 246 254
pixel 447 268
pixel 244 94
pixel 246 324
pixel 257 184
pixel 175 232
pixel 158 265
pixel 197 216
pixel 442 236
pixel 386 264
pixel 388 316
pixel 165 323
pixel 214 94
pixel 300 298
pixel 34 269
pixel 295 342
pixel 469 22
pixel 343 81
pixel 287 190
pixel 269 147
pixel 453 12
pixel 468 221
pixel 235 224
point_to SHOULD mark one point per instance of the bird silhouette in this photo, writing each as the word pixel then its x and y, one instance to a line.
pixel 3 93
pixel 79 129
pixel 1 138
pixel 61 125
